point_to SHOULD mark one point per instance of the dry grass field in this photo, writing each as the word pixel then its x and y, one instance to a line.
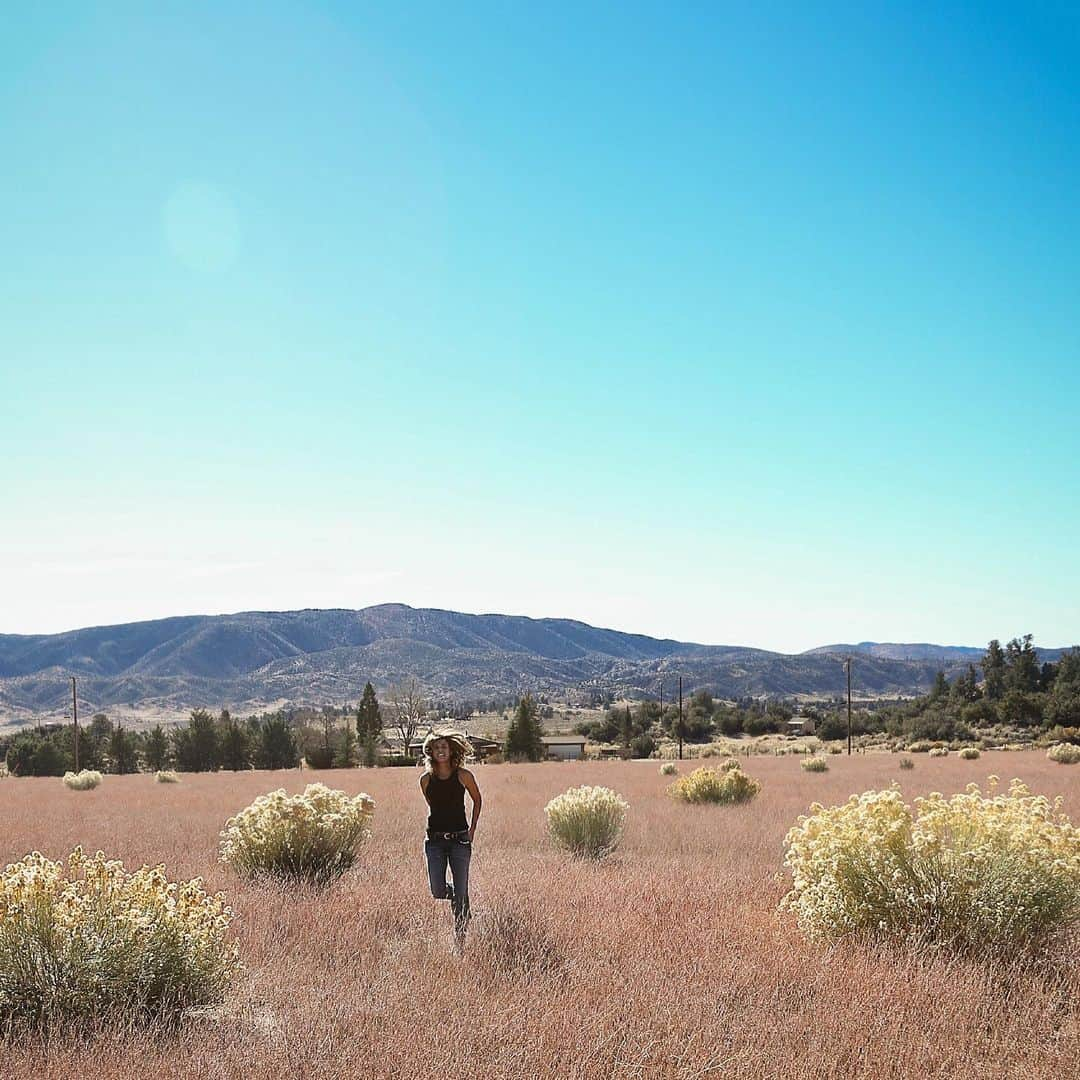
pixel 666 960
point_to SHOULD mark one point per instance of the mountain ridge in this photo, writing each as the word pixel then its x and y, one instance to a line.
pixel 258 659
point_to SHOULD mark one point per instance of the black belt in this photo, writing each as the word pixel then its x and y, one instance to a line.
pixel 456 835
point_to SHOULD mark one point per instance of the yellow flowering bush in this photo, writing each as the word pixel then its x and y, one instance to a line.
pixel 587 821
pixel 724 785
pixel 938 751
pixel 669 768
pixel 1064 754
pixel 814 764
pixel 91 941
pixel 727 766
pixel 167 776
pixel 971 872
pixel 83 780
pixel 969 753
pixel 312 837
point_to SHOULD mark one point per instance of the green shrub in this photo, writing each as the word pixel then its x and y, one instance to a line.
pixel 83 780
pixel 814 764
pixel 89 941
pixel 669 768
pixel 969 753
pixel 587 821
pixel 725 785
pixel 906 763
pixel 1064 754
pixel 940 751
pixel 313 837
pixel 1000 872
pixel 726 766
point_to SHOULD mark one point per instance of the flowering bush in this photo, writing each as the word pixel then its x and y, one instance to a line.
pixel 814 764
pixel 90 941
pixel 939 751
pixel 167 776
pixel 312 837
pixel 727 766
pixel 971 872
pixel 669 768
pixel 1064 754
pixel 969 753
pixel 587 821
pixel 728 784
pixel 83 780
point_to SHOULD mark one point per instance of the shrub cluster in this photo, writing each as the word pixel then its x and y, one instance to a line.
pixel 313 837
pixel 587 821
pixel 969 753
pixel 727 784
pixel 971 872
pixel 938 751
pixel 669 768
pixel 1064 754
pixel 167 776
pixel 89 941
pixel 83 780
pixel 814 764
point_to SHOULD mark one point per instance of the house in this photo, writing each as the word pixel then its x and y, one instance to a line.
pixel 800 725
pixel 564 747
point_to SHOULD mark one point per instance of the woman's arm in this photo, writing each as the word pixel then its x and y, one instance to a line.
pixel 468 781
pixel 424 781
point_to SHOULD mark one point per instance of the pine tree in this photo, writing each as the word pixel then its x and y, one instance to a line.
pixel 524 738
pixel 369 725
pixel 346 752
pixel 156 749
pixel 993 665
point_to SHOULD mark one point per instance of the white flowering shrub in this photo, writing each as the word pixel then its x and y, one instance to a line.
pixel 88 941
pixel 587 821
pixel 313 837
pixel 669 768
pixel 728 784
pixel 1064 754
pixel 727 766
pixel 972 872
pixel 814 764
pixel 938 751
pixel 167 776
pixel 969 753
pixel 83 780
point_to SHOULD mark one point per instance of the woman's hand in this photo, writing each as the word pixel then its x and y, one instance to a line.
pixel 472 834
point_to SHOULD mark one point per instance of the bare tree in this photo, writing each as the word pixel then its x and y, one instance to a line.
pixel 408 707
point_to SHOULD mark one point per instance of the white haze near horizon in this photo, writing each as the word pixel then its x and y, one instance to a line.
pixel 128 568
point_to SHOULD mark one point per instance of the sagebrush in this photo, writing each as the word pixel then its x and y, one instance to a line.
pixel 728 784
pixel 313 837
pixel 587 821
pixel 83 780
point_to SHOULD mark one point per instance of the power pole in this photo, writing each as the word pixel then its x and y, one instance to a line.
pixel 680 718
pixel 75 721
pixel 847 668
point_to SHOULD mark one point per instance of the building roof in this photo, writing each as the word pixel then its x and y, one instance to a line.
pixel 563 740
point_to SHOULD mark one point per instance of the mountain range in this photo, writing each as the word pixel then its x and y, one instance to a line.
pixel 264 659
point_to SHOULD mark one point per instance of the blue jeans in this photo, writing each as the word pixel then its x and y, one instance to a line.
pixel 455 852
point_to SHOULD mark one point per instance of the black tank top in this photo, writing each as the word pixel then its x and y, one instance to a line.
pixel 447 801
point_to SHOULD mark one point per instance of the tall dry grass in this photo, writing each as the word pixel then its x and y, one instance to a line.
pixel 665 960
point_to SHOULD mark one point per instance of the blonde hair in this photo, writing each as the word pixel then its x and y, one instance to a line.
pixel 460 749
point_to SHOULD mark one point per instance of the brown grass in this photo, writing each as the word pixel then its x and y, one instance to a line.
pixel 665 960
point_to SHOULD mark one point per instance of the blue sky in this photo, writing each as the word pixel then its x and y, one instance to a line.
pixel 731 325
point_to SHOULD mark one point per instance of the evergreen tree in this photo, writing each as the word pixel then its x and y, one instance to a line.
pixel 196 746
pixel 626 731
pixel 524 738
pixel 369 725
pixel 156 749
pixel 235 744
pixel 940 689
pixel 346 752
pixel 1022 662
pixel 994 667
pixel 276 747
pixel 123 751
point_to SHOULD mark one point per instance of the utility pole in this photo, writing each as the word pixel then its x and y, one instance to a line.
pixel 680 718
pixel 847 668
pixel 75 721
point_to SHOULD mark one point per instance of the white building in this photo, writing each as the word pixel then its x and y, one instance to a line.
pixel 564 747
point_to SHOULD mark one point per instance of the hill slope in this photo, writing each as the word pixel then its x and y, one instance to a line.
pixel 254 659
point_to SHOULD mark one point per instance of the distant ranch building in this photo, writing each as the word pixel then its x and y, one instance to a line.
pixel 564 747
pixel 800 725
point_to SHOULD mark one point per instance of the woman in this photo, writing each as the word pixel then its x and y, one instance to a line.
pixel 449 839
